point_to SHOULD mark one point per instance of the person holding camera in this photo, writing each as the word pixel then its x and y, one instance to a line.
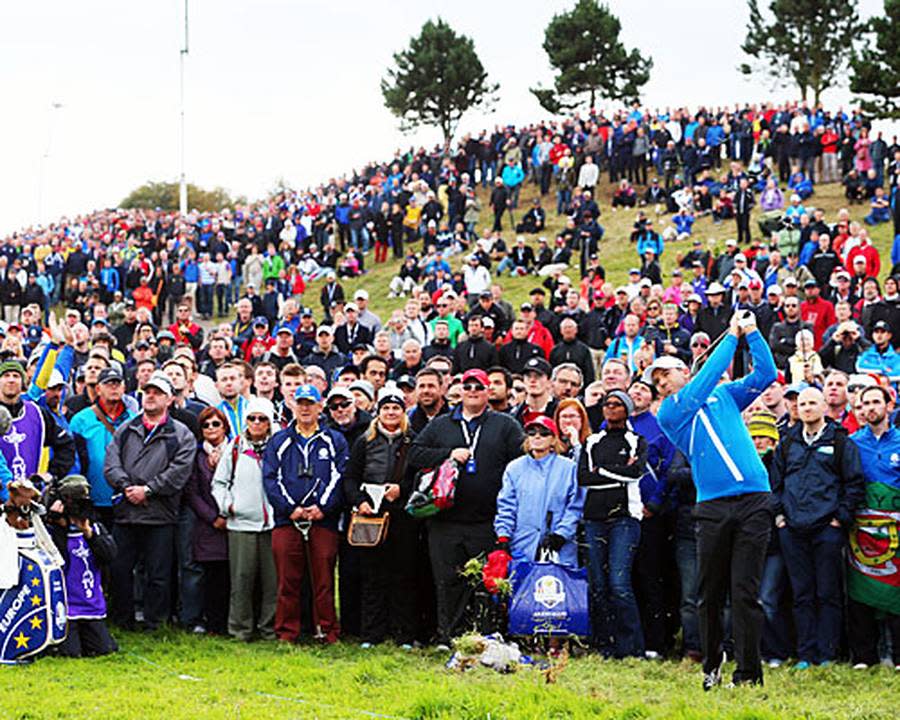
pixel 302 469
pixel 702 418
pixel 86 547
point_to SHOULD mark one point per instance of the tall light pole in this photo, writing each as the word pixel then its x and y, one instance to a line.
pixel 51 114
pixel 182 188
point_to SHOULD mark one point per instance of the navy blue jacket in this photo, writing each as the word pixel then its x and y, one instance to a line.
pixel 324 455
pixel 808 488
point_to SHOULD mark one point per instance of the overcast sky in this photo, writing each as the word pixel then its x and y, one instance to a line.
pixel 282 88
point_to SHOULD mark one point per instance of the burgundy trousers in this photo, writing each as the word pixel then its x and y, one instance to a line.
pixel 291 564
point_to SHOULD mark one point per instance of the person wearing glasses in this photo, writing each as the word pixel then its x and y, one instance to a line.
pixel 92 429
pixel 237 488
pixel 210 539
pixel 482 442
pixel 609 470
pixel 539 505
pixel 343 415
pixel 302 470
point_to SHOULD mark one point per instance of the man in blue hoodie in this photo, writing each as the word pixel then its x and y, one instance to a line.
pixel 702 418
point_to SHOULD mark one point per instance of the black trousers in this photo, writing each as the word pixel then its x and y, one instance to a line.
pixel 743 227
pixel 87 638
pixel 350 587
pixel 732 537
pixel 655 554
pixel 451 545
pixel 153 544
pixel 863 631
pixel 389 602
pixel 216 592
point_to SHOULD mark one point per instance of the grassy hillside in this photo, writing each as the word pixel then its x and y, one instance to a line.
pixel 181 676
pixel 617 254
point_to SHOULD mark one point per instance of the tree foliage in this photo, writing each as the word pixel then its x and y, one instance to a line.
pixel 436 80
pixel 876 71
pixel 584 48
pixel 164 195
pixel 807 42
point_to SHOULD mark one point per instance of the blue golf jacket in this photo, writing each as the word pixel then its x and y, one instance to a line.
pixel 703 420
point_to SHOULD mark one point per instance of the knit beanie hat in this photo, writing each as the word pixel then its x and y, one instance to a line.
pixel 763 424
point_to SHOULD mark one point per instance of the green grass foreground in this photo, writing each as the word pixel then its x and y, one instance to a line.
pixel 175 675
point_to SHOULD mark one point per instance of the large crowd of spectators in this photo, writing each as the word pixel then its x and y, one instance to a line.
pixel 229 420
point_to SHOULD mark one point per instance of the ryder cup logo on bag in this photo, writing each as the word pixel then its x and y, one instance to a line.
pixel 549 591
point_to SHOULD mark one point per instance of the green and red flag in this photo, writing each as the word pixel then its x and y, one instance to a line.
pixel 875 549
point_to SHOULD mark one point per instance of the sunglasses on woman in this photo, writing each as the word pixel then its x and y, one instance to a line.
pixel 538 431
pixel 257 418
pixel 212 424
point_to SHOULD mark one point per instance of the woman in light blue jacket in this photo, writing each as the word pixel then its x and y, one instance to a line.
pixel 540 503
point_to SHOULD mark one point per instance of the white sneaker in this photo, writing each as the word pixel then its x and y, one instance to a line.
pixel 775 663
pixel 442 648
pixel 861 666
pixel 714 677
pixel 652 655
pixel 199 630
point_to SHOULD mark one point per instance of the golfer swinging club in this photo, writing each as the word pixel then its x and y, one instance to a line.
pixel 703 419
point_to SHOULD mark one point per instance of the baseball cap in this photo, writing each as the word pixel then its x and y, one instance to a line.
pixel 159 380
pixel 110 374
pixel 526 306
pixel 478 375
pixel 775 290
pixel 538 365
pixel 324 329
pixel 810 282
pixel 284 329
pixel 792 281
pixel 308 392
pixel 351 306
pixel 544 422
pixel 340 392
pixel 881 325
pixel 796 388
pixel 56 379
pixel 406 381
pixel 260 321
pixel 664 362
pixel 715 289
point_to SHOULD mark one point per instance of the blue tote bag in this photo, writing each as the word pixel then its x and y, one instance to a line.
pixel 549 599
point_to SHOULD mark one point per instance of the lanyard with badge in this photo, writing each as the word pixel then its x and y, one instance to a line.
pixel 472 444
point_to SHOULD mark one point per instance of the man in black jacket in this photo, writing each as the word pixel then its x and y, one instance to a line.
pixel 743 204
pixel 517 351
pixel 482 442
pixel 714 318
pixel 475 351
pixel 571 350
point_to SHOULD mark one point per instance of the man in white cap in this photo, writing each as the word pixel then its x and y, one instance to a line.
pixel 148 463
pixel 702 418
pixel 367 318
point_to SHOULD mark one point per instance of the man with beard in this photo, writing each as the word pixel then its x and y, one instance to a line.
pixel 501 383
pixel 430 402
